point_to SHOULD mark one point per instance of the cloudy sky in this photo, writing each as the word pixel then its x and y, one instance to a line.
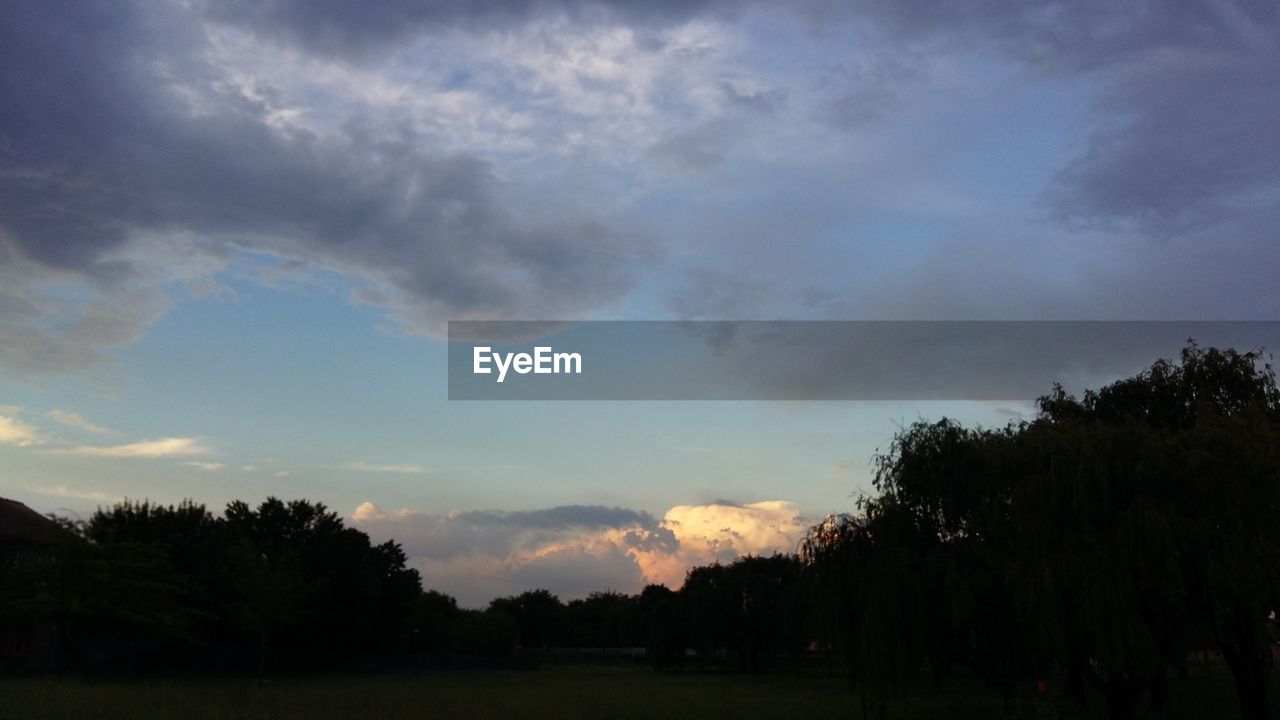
pixel 231 234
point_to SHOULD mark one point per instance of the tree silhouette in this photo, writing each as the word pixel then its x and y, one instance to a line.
pixel 538 614
pixel 1096 542
pixel 1202 438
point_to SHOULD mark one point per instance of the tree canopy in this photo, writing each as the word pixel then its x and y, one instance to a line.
pixel 1098 542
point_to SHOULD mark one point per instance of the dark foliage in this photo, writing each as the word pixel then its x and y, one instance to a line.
pixel 1098 544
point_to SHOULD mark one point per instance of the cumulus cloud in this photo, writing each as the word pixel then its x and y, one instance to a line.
pixel 576 549
pixel 16 432
pixel 163 447
pixel 720 532
pixel 76 420
pixel 748 529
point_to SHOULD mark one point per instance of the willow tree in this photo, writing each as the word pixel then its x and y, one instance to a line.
pixel 1096 576
pixel 919 582
pixel 879 596
pixel 1191 456
pixel 1093 543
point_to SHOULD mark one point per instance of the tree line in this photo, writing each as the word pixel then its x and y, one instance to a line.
pixel 288 587
pixel 1090 549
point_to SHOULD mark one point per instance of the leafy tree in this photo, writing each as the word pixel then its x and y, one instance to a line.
pixel 665 629
pixel 1096 542
pixel 1096 575
pixel 753 608
pixel 600 620
pixel 284 580
pixel 538 614
pixel 1210 508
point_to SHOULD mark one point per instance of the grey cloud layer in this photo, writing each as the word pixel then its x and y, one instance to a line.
pixel 343 28
pixel 115 129
pixel 132 161
pixel 1181 153
pixel 1191 93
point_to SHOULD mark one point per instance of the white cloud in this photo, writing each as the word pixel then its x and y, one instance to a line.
pixel 374 467
pixel 63 491
pixel 722 532
pixel 367 511
pixel 164 447
pixel 755 528
pixel 16 432
pixel 210 466
pixel 611 89
pixel 75 420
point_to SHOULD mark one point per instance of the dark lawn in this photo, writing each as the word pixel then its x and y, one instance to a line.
pixel 620 691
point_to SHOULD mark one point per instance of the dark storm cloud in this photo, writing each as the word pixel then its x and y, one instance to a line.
pixel 1186 134
pixel 346 28
pixel 1180 144
pixel 1079 34
pixel 1076 34
pixel 1200 146
pixel 114 128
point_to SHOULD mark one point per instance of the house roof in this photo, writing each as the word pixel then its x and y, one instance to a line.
pixel 19 523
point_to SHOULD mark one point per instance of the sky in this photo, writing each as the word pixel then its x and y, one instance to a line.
pixel 232 234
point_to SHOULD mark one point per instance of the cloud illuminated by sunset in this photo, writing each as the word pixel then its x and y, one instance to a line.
pixel 578 549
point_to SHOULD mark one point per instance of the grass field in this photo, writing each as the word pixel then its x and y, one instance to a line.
pixel 620 692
